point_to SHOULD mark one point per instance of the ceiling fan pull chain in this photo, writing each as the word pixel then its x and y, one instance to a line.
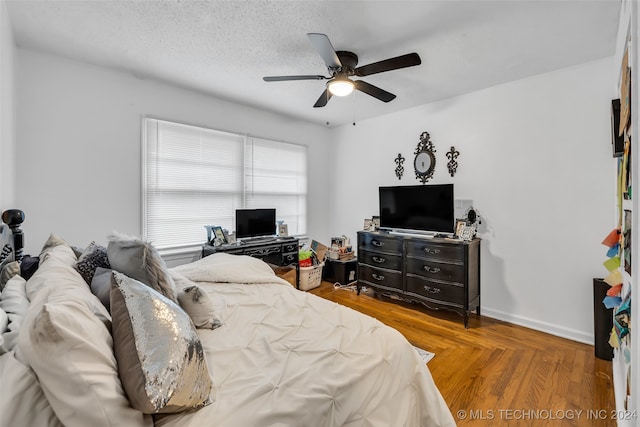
pixel 354 108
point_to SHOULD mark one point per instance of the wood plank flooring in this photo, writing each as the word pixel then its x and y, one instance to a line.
pixel 495 373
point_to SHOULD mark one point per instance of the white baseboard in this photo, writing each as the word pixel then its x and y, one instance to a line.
pixel 549 328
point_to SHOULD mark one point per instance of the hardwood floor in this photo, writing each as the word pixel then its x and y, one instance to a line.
pixel 495 373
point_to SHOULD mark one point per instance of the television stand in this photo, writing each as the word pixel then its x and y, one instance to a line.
pixel 277 251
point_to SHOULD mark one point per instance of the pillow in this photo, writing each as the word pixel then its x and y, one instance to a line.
pixel 57 247
pixel 15 304
pixel 54 273
pixel 199 306
pixel 160 357
pixel 93 257
pixel 28 266
pixel 101 286
pixel 22 402
pixel 71 351
pixel 141 261
pixel 8 271
pixel 52 242
pixel 4 322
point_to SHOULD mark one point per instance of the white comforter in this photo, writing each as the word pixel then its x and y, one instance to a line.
pixel 288 358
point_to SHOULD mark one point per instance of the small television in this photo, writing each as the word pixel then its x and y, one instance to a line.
pixel 255 223
pixel 418 208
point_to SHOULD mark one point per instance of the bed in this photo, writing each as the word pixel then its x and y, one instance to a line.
pixel 222 341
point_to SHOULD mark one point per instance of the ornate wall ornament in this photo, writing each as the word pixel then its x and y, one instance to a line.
pixel 425 160
pixel 452 155
pixel 399 165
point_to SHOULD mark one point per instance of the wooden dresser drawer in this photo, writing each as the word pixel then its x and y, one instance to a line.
pixel 290 258
pixel 426 249
pixel 451 294
pixel 448 272
pixel 391 262
pixel 377 276
pixel 290 247
pixel 379 243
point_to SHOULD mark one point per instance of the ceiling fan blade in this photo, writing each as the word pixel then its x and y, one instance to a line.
pixel 374 91
pixel 324 47
pixel 324 98
pixel 287 78
pixel 403 61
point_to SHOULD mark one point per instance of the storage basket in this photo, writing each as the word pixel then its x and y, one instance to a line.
pixel 310 277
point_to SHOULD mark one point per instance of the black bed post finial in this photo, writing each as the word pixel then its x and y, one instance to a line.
pixel 14 218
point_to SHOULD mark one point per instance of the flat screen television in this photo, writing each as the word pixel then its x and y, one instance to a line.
pixel 422 208
pixel 255 223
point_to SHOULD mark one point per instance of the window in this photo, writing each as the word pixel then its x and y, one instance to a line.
pixel 196 176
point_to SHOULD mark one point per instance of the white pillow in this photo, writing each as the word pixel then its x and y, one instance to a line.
pixel 60 251
pixel 22 401
pixel 14 302
pixel 70 350
pixel 4 322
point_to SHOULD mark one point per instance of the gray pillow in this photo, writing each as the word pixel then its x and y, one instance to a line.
pixel 160 357
pixel 94 256
pixel 199 306
pixel 140 260
pixel 8 271
pixel 101 286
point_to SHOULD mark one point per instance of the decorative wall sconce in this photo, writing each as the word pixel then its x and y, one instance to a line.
pixel 452 155
pixel 399 165
pixel 425 160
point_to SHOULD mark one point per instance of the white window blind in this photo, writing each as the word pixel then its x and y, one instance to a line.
pixel 196 176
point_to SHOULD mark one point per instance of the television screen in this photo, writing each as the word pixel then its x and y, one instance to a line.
pixel 418 207
pixel 255 222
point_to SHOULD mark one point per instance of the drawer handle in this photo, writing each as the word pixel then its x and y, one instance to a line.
pixel 432 290
pixel 377 276
pixel 432 251
pixel 290 257
pixel 431 269
pixel 377 243
pixel 378 259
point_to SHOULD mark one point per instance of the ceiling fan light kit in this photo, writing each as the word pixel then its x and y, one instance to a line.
pixel 342 64
pixel 340 86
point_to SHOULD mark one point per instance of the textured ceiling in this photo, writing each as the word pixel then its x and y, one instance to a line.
pixel 224 48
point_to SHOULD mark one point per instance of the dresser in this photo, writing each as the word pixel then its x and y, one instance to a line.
pixel 276 251
pixel 438 273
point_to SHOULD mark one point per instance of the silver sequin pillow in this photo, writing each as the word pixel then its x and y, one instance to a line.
pixel 160 358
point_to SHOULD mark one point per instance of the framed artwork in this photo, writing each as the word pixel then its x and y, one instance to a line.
pixel 367 224
pixel 460 224
pixel 468 232
pixel 283 230
pixel 219 238
pixel 375 222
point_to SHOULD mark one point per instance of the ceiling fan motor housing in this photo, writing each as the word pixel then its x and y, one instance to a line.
pixel 349 61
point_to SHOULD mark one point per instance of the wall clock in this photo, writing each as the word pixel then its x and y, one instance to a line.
pixel 425 161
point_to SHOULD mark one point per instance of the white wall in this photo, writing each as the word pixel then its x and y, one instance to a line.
pixel 536 161
pixel 7 139
pixel 79 161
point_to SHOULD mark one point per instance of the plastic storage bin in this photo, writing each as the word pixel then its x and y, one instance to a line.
pixel 310 277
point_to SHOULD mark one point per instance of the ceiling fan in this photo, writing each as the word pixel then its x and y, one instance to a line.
pixel 342 64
